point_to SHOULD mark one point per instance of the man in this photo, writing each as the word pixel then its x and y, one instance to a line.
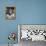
pixel 10 12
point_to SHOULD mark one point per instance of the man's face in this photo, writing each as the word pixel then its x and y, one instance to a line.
pixel 10 11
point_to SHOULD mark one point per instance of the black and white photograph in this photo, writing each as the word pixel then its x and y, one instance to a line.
pixel 31 34
pixel 10 13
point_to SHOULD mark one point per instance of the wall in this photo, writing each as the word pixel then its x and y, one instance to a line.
pixel 27 12
pixel 6 26
pixel 31 11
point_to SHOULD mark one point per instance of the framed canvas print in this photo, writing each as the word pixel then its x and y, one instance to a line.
pixel 32 32
pixel 10 13
pixel 28 34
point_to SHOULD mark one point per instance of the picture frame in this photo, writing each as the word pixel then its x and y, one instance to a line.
pixel 10 13
pixel 38 30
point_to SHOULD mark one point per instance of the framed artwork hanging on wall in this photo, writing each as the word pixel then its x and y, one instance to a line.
pixel 10 13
